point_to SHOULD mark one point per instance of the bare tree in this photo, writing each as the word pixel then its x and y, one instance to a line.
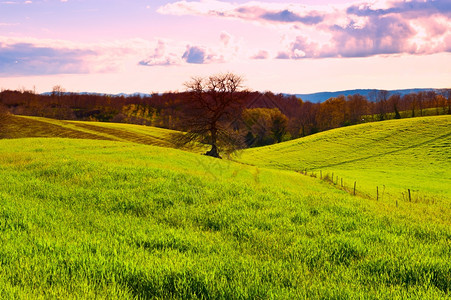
pixel 381 104
pixel 308 118
pixel 57 93
pixel 216 102
pixel 357 107
pixel 394 102
pixel 446 93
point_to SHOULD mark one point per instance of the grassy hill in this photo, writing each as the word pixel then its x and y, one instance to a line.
pixel 14 126
pixel 87 218
pixel 394 155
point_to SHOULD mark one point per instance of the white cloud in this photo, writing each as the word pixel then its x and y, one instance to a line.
pixel 225 38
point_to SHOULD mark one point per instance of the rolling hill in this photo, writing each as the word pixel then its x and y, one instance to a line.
pixel 108 218
pixel 14 126
pixel 394 155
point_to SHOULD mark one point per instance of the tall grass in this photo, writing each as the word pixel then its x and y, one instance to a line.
pixel 102 219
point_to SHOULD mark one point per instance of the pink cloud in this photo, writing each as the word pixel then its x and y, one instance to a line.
pixel 161 56
pixel 357 30
pixel 31 56
pixel 251 11
pixel 262 54
pixel 202 55
pixel 22 58
pixel 225 38
pixel 193 54
pixel 172 53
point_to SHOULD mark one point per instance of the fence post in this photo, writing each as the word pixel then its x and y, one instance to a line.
pixel 410 198
pixel 354 186
pixel 377 193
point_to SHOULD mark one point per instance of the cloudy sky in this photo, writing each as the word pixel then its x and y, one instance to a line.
pixel 301 46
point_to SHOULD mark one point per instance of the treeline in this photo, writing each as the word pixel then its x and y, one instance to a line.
pixel 266 118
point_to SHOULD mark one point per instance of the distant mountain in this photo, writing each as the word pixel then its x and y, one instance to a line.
pixel 142 95
pixel 323 96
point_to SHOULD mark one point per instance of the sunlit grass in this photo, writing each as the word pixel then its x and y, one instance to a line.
pixel 24 126
pixel 104 219
pixel 394 156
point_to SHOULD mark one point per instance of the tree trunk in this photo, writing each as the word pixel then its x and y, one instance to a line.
pixel 214 149
pixel 213 152
pixel 397 115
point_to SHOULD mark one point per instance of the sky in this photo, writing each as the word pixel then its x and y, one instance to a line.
pixel 283 46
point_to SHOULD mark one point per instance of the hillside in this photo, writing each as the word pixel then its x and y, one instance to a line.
pixel 394 155
pixel 14 126
pixel 106 219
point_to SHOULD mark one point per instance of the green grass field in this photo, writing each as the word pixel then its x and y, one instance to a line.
pixel 14 126
pixel 394 155
pixel 91 218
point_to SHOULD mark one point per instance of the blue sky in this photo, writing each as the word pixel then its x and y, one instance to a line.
pixel 155 46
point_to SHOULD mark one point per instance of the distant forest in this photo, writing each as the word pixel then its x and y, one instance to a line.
pixel 266 118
